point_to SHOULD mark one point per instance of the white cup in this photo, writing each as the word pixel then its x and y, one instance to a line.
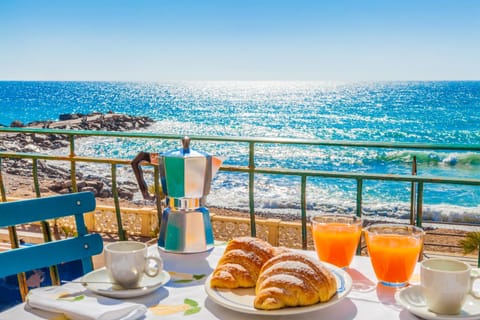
pixel 128 261
pixel 446 283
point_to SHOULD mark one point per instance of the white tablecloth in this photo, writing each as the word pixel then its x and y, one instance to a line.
pixel 366 301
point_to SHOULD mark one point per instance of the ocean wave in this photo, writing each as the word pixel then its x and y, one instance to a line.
pixel 431 158
pixel 274 206
pixel 305 157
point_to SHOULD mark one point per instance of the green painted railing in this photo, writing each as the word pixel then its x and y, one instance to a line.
pixel 417 182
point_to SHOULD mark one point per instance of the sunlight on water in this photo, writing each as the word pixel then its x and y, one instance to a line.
pixel 425 112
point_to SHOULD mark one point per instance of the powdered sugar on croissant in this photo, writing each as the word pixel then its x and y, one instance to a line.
pixel 240 265
pixel 293 279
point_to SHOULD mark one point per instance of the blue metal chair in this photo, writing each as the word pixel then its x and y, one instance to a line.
pixel 81 247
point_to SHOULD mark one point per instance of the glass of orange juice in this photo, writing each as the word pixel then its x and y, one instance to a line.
pixel 336 237
pixel 394 250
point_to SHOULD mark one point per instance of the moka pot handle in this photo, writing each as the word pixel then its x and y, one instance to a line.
pixel 137 169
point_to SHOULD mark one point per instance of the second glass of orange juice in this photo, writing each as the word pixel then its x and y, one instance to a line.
pixel 394 250
pixel 336 237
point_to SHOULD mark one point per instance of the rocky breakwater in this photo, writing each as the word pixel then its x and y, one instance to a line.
pixel 56 177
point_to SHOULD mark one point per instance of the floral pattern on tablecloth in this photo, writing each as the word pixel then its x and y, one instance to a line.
pixel 188 307
pixel 179 277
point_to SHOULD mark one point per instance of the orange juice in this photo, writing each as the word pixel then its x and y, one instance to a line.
pixel 393 256
pixel 336 242
pixel 336 237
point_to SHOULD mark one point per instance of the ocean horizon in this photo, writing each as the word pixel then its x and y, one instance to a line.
pixel 446 112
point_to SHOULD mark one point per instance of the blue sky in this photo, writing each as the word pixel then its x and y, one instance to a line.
pixel 140 40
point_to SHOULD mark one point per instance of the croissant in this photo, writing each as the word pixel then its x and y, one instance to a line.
pixel 293 279
pixel 241 262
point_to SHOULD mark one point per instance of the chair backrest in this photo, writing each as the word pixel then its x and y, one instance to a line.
pixel 82 247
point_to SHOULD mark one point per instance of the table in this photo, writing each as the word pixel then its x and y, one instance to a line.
pixel 366 301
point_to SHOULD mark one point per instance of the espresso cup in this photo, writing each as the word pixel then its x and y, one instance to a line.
pixel 128 261
pixel 446 283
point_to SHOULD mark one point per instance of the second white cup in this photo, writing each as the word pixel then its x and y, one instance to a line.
pixel 446 283
pixel 127 262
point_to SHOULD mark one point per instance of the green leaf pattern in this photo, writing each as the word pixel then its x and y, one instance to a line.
pixel 191 311
pixel 188 307
pixel 71 298
pixel 194 277
pixel 191 302
pixel 194 308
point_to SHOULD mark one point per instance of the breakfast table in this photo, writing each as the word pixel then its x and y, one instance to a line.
pixel 185 295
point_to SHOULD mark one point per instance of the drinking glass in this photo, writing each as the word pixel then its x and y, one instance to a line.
pixel 394 250
pixel 336 237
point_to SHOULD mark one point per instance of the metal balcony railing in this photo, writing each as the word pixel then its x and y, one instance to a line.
pixel 418 183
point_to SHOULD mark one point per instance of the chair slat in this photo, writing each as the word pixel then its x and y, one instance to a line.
pixel 38 209
pixel 48 254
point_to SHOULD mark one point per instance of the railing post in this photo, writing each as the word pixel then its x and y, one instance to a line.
pixel 303 203
pixel 359 197
pixel 413 192
pixel 121 232
pixel 73 170
pixel 251 185
pixel 2 186
pixel 420 204
pixel 420 213
pixel 359 208
pixel 36 184
pixel 156 183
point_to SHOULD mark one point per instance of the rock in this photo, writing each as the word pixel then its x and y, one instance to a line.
pixel 17 124
pixel 125 194
pixel 68 116
pixel 39 143
pixel 65 191
pixel 97 184
pixel 32 148
pixel 47 144
pixel 41 138
pixel 81 184
pixel 54 187
pixel 90 189
pixel 104 194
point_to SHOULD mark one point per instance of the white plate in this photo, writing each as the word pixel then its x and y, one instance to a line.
pixel 146 285
pixel 241 300
pixel 411 298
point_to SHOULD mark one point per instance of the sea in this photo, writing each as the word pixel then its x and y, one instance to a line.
pixel 444 112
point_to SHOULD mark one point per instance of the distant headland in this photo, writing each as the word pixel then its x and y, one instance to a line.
pixel 94 121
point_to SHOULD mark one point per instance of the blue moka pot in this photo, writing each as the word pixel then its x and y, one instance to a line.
pixel 186 176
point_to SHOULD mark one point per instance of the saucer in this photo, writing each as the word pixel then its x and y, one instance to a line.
pixel 411 298
pixel 98 282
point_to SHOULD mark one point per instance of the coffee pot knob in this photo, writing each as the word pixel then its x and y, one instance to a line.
pixel 186 144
